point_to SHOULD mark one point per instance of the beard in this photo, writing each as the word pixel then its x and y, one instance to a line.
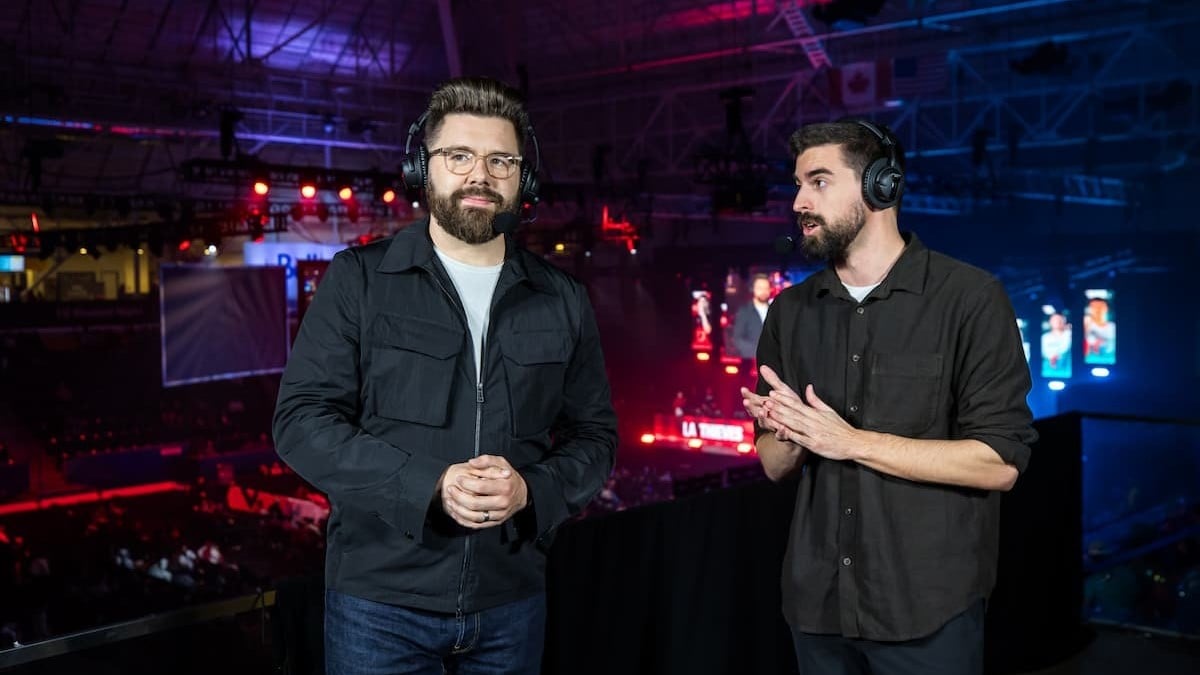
pixel 468 224
pixel 831 242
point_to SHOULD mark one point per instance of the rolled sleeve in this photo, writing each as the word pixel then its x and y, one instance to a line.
pixel 993 380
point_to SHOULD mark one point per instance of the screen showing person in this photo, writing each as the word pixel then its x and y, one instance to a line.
pixel 749 316
pixel 702 320
pixel 1056 344
pixel 1099 329
pixel 1023 326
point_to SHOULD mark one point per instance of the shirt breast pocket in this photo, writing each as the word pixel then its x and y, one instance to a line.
pixel 903 393
pixel 411 371
pixel 535 369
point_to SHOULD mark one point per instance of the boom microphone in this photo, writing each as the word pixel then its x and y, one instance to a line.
pixel 506 222
pixel 785 244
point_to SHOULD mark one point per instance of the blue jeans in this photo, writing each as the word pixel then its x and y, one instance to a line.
pixel 363 637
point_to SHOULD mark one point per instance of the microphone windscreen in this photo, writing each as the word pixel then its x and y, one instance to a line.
pixel 785 244
pixel 505 223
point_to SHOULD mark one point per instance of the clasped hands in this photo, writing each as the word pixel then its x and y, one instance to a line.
pixel 482 492
pixel 808 422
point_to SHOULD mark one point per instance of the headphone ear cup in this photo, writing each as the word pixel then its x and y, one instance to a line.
pixel 529 186
pixel 870 184
pixel 414 169
pixel 888 185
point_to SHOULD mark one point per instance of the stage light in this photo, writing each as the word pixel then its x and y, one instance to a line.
pixel 261 188
pixel 388 196
pixel 416 205
pixel 560 247
pixel 308 190
pixel 345 193
pixel 695 443
pixel 211 250
pixel 647 438
pixel 83 250
pixel 731 370
pixel 185 245
pixel 703 356
pixel 141 251
pixel 1056 385
pixel 1100 372
pixel 744 448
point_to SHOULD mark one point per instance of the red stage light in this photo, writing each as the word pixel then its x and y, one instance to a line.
pixel 695 443
pixel 345 193
pixel 308 190
pixel 389 196
pixel 731 370
pixel 647 438
pixel 703 356
pixel 261 188
pixel 744 448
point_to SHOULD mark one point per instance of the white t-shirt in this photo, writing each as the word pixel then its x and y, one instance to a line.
pixel 859 292
pixel 475 286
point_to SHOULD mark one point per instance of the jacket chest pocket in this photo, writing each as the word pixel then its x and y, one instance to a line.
pixel 411 369
pixel 903 392
pixel 535 368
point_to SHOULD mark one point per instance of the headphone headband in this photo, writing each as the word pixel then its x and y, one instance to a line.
pixel 883 179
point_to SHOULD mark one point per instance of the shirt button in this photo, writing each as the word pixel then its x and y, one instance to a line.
pixel 849 511
pixel 855 358
pixel 846 561
pixel 853 408
pixel 860 310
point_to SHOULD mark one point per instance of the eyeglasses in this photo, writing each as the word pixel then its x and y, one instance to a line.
pixel 460 161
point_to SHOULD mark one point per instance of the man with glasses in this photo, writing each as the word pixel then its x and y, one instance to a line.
pixel 447 390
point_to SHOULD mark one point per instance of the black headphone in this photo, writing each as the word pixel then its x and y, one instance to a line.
pixel 883 179
pixel 415 166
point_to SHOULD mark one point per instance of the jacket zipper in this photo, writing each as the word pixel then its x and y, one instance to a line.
pixel 462 576
pixel 462 579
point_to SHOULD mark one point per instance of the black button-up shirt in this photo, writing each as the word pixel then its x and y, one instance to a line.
pixel 933 352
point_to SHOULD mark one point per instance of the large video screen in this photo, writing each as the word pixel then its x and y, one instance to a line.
pixel 1056 343
pixel 747 298
pixel 222 322
pixel 1099 328
pixel 702 321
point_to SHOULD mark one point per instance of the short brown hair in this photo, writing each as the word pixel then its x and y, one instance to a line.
pixel 476 96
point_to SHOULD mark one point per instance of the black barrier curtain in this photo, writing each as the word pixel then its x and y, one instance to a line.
pixel 692 587
pixel 686 587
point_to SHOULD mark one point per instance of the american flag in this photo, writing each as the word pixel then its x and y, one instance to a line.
pixel 915 76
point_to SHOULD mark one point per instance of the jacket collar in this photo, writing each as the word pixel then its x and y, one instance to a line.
pixel 412 248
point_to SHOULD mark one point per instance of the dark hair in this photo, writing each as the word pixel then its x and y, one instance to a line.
pixel 859 146
pixel 760 276
pixel 476 96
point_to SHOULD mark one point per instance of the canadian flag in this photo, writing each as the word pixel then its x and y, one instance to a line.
pixel 862 84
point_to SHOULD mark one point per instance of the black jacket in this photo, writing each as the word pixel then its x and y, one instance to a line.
pixel 380 396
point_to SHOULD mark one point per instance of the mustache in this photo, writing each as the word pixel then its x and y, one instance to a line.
pixel 480 192
pixel 813 218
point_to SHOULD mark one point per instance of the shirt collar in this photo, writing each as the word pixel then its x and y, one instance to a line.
pixel 907 274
